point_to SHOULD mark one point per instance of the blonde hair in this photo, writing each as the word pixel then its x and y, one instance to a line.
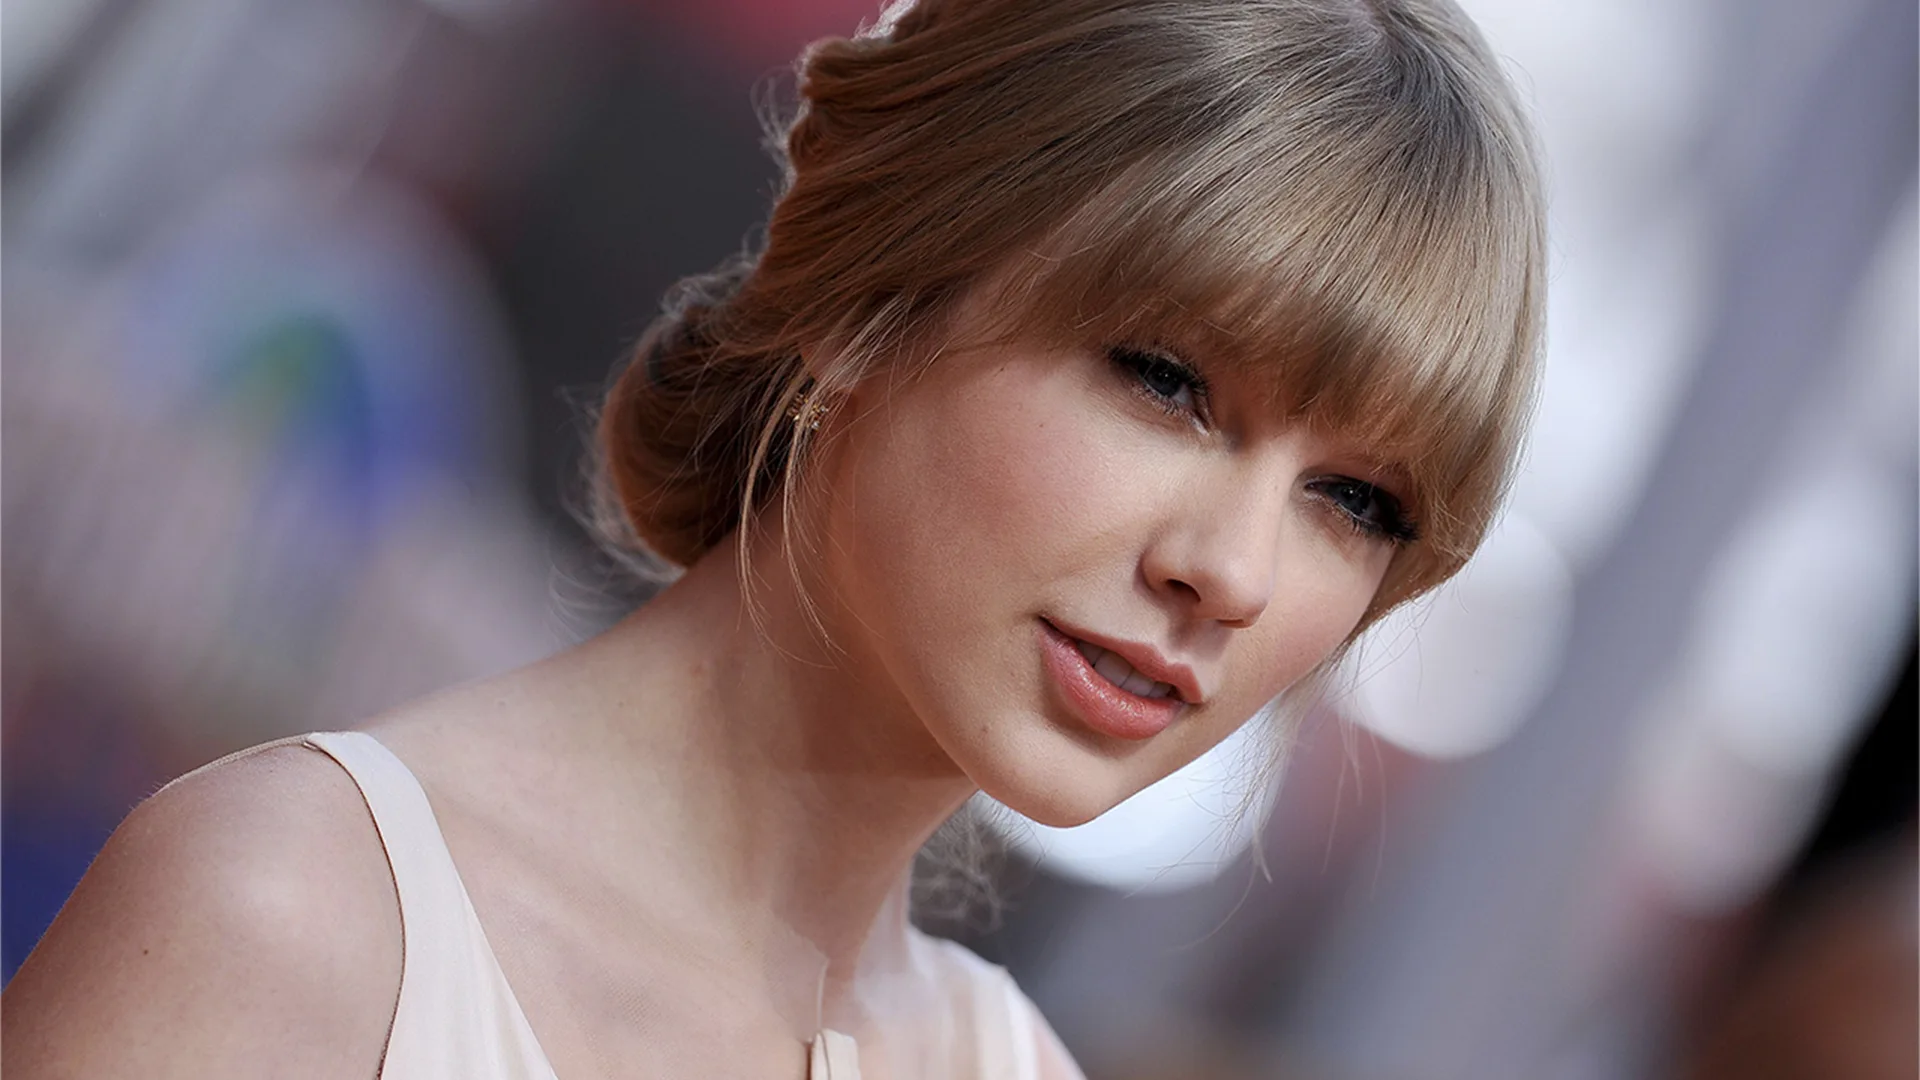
pixel 1341 193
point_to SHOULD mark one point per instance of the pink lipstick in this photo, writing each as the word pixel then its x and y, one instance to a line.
pixel 1100 704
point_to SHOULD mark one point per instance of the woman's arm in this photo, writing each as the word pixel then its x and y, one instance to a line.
pixel 241 923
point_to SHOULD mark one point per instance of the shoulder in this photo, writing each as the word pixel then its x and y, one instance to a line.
pixel 1033 1035
pixel 242 921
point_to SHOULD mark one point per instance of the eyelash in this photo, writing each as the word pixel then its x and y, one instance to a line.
pixel 1140 365
pixel 1394 526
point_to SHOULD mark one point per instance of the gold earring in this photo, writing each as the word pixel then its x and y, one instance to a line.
pixel 807 411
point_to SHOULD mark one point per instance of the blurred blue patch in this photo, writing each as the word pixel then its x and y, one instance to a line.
pixel 42 856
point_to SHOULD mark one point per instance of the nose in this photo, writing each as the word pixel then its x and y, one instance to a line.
pixel 1218 555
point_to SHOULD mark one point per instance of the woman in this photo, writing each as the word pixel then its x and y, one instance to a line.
pixel 1108 366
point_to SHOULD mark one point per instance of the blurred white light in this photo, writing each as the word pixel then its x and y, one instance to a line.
pixel 1617 89
pixel 1711 827
pixel 1457 673
pixel 1800 622
pixel 1803 617
pixel 1174 834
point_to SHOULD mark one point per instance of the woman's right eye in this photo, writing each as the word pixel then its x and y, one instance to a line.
pixel 1172 385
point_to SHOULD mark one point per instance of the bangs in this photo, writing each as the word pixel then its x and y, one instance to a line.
pixel 1375 291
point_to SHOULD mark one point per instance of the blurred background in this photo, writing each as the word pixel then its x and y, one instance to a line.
pixel 302 299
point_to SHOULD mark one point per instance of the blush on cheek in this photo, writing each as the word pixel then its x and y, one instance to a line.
pixel 1012 453
pixel 946 484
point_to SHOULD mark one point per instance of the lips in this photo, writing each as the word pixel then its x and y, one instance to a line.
pixel 1114 668
pixel 1119 701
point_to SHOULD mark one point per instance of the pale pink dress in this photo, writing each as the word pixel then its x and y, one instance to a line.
pixel 458 1019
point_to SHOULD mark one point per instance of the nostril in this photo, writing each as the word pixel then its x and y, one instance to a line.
pixel 1187 590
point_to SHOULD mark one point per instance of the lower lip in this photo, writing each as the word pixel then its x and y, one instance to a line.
pixel 1102 706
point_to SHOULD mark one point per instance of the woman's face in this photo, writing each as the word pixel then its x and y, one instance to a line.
pixel 1000 524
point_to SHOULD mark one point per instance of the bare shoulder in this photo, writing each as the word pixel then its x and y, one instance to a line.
pixel 242 922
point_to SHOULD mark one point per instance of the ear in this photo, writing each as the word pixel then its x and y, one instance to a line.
pixel 834 377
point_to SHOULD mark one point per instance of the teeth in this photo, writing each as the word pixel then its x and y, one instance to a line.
pixel 1113 669
pixel 1120 673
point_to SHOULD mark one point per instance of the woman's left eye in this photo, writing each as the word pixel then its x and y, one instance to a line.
pixel 1168 383
pixel 1368 508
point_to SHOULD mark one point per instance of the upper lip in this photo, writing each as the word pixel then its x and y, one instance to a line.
pixel 1144 659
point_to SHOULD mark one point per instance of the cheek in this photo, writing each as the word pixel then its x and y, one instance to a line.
pixel 961 508
pixel 982 479
pixel 1320 595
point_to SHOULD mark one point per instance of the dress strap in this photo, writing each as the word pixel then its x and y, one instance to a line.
pixel 834 1057
pixel 456 1016
pixel 1008 1046
pixel 1005 1040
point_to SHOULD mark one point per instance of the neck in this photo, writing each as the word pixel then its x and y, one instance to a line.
pixel 789 797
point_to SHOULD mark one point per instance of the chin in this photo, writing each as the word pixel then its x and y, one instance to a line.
pixel 1049 808
pixel 1061 789
pixel 1059 816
